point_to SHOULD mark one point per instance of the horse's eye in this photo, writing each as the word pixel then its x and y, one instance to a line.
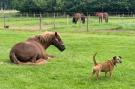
pixel 59 39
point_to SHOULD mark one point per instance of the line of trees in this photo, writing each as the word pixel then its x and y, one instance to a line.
pixel 5 4
pixel 37 6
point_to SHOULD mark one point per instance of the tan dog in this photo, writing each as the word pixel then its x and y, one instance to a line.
pixel 106 66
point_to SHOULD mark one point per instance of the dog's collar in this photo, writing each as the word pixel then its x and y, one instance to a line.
pixel 112 62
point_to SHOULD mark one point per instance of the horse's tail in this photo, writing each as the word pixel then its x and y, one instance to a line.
pixel 94 60
pixel 13 58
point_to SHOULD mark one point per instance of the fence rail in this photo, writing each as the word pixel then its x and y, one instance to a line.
pixel 54 21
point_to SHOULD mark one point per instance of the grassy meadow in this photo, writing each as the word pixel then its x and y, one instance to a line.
pixel 70 69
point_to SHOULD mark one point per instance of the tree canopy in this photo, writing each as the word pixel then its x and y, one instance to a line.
pixel 70 5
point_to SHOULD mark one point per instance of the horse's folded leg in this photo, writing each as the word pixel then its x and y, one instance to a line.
pixel 41 61
pixel 23 63
pixel 33 60
pixel 27 63
pixel 50 56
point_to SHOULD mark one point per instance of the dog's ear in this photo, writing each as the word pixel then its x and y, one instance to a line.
pixel 114 57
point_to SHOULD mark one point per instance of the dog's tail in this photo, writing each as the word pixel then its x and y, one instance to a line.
pixel 94 59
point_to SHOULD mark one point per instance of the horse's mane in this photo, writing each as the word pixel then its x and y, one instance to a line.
pixel 43 38
pixel 47 36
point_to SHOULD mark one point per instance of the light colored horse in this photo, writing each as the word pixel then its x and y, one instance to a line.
pixel 77 17
pixel 102 16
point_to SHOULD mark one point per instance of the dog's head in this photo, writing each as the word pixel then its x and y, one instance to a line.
pixel 117 59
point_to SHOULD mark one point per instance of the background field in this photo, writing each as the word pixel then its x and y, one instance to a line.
pixel 71 68
pixel 24 22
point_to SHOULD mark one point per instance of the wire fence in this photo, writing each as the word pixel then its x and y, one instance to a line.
pixel 54 21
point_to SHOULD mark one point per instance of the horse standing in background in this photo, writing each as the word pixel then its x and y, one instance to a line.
pixel 102 16
pixel 78 16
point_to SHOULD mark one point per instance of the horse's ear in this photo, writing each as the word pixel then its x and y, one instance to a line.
pixel 56 33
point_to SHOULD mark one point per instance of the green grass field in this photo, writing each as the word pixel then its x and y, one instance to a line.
pixel 70 69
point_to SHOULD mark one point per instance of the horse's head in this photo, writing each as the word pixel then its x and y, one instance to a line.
pixel 83 18
pixel 49 38
pixel 97 13
pixel 57 42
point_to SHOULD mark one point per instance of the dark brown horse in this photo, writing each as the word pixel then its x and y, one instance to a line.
pixel 77 17
pixel 102 16
pixel 32 50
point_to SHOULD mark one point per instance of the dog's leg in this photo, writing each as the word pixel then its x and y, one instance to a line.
pixel 93 72
pixel 110 72
pixel 97 74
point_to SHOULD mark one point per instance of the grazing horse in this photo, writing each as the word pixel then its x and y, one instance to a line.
pixel 78 16
pixel 32 51
pixel 102 16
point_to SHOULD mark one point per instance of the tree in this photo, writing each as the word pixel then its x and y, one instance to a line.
pixel 73 5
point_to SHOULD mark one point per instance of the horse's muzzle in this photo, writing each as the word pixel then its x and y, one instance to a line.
pixel 62 48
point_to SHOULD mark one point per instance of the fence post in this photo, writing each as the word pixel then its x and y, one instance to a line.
pixel 40 21
pixel 54 21
pixel 3 15
pixel 4 18
pixel 47 14
pixel 20 15
pixel 67 19
pixel 87 22
pixel 27 15
pixel 57 14
pixel 64 14
pixel 34 15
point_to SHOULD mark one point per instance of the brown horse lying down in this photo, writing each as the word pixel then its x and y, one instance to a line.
pixel 102 16
pixel 78 16
pixel 32 51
